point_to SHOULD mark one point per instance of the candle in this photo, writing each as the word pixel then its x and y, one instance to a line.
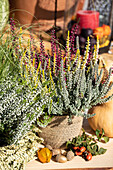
pixel 88 19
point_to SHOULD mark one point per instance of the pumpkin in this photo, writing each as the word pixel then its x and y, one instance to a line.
pixel 104 112
pixel 44 155
pixel 98 32
pixel 4 13
pixel 105 30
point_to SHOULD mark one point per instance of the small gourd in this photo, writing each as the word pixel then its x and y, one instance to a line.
pixel 102 31
pixel 44 155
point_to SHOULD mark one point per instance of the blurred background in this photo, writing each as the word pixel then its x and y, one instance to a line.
pixel 62 15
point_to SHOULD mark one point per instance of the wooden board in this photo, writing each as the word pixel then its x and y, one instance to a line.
pixel 100 161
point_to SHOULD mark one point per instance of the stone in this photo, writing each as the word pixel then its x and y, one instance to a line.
pixel 63 152
pixel 61 159
pixel 70 155
pixel 56 152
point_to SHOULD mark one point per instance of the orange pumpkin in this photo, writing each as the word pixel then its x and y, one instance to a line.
pixel 98 32
pixel 105 30
pixel 104 112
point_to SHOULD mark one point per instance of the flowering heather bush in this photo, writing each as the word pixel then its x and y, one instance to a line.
pixel 19 108
pixel 40 84
pixel 74 78
pixel 20 103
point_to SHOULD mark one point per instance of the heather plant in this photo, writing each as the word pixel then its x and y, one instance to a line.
pixel 69 82
pixel 78 84
pixel 19 108
pixel 20 102
pixel 75 79
pixel 16 156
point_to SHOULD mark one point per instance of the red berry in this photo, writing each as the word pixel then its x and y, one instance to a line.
pixel 89 157
pixel 82 149
pixel 89 153
pixel 78 153
pixel 76 147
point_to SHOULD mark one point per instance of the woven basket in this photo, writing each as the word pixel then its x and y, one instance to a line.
pixel 59 131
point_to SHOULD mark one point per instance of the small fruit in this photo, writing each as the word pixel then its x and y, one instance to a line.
pixel 44 155
pixel 82 149
pixel 78 152
pixel 76 147
pixel 89 157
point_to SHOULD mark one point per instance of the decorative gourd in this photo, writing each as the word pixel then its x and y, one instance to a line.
pixel 44 155
pixel 4 13
pixel 105 30
pixel 104 112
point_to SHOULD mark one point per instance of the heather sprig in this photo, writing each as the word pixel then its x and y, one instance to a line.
pixel 75 80
pixel 74 33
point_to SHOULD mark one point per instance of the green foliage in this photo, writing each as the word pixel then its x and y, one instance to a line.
pixel 101 136
pixel 4 13
pixel 77 90
pixel 9 65
pixel 19 108
pixel 20 103
pixel 35 87
pixel 89 142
